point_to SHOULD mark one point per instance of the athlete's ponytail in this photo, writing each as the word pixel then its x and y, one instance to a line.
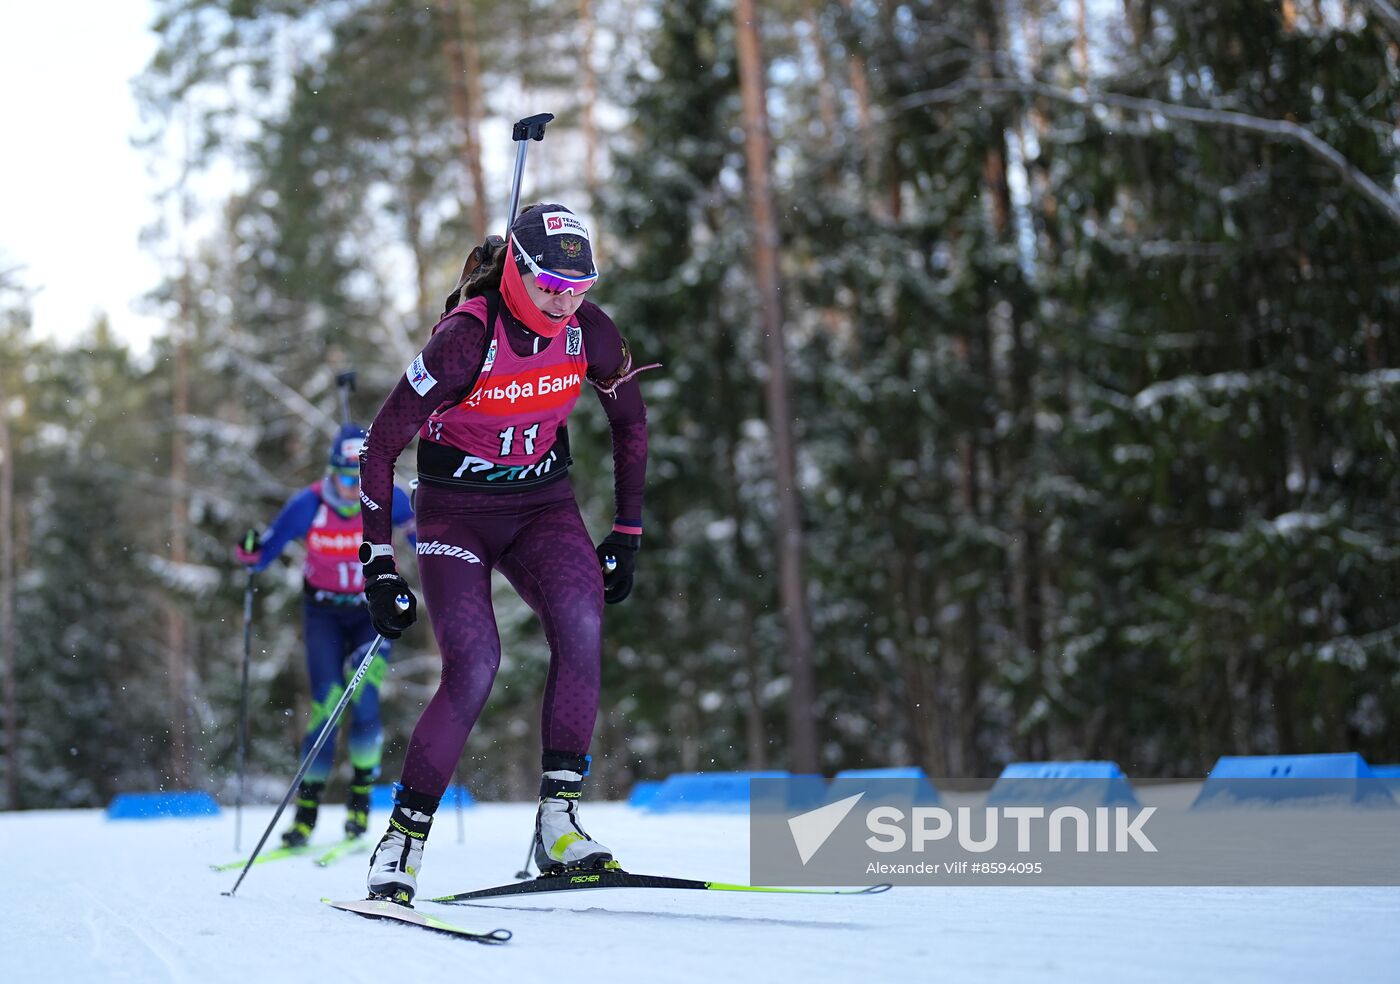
pixel 482 271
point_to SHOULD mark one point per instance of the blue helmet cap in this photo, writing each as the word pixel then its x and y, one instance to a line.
pixel 345 452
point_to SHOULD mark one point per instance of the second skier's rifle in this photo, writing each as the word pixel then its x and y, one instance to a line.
pixel 345 383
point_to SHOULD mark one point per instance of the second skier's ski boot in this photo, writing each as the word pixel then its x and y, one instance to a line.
pixel 561 843
pixel 308 802
pixel 357 804
pixel 394 866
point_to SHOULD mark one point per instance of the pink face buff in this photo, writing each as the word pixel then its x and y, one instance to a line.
pixel 521 304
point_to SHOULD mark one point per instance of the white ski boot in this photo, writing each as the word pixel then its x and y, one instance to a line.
pixel 561 843
pixel 394 866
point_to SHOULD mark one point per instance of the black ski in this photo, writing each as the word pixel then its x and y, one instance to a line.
pixel 579 880
pixel 398 912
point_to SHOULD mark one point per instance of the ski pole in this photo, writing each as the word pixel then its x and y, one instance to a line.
pixel 524 872
pixel 530 128
pixel 250 545
pixel 461 813
pixel 350 688
pixel 345 383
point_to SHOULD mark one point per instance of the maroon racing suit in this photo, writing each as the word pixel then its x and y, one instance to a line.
pixel 487 501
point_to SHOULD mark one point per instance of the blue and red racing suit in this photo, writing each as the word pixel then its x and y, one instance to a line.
pixel 337 624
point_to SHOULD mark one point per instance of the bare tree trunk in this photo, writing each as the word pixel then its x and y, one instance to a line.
pixel 463 54
pixel 457 79
pixel 476 110
pixel 826 93
pixel 802 728
pixel 1026 575
pixel 588 83
pixel 1081 37
pixel 1027 595
pixel 422 260
pixel 8 649
pixel 860 88
pixel 1139 16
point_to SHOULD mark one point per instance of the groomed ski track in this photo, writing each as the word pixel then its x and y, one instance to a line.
pixel 97 900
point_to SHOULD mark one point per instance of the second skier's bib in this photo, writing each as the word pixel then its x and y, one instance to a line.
pixel 332 552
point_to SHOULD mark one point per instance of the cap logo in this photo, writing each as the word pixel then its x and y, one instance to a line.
pixel 558 223
pixel 572 248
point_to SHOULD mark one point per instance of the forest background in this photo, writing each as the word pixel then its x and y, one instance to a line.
pixel 1031 380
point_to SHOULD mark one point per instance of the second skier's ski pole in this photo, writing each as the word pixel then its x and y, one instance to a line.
pixel 524 872
pixel 250 545
pixel 326 730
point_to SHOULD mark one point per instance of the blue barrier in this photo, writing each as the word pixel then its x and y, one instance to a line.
pixel 1083 783
pixel 1296 780
pixel 643 792
pixel 728 792
pixel 906 783
pixel 382 797
pixel 1390 776
pixel 161 805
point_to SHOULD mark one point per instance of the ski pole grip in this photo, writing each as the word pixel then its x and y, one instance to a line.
pixel 346 380
pixel 531 127
pixel 251 540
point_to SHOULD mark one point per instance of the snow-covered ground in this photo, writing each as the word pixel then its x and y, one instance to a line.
pixel 98 900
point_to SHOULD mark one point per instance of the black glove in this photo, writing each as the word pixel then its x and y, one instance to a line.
pixel 383 588
pixel 617 555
